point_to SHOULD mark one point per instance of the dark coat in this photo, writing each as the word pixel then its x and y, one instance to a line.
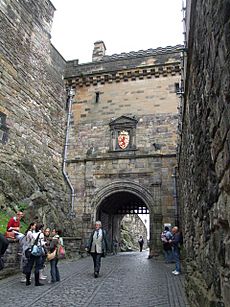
pixel 104 242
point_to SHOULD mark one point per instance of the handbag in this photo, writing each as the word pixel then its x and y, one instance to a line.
pixel 10 235
pixel 61 252
pixel 28 252
pixel 36 250
pixel 51 256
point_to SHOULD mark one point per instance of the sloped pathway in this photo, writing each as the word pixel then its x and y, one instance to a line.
pixel 126 279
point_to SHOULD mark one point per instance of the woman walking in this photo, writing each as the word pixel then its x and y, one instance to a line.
pixel 97 246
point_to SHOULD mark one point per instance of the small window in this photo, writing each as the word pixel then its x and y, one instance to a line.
pixel 2 119
pixel 97 97
pixel 3 129
pixel 177 88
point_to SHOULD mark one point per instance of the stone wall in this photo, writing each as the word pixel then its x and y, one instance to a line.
pixel 11 259
pixel 204 160
pixel 33 107
pixel 132 227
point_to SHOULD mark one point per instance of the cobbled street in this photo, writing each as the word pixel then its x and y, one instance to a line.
pixel 126 279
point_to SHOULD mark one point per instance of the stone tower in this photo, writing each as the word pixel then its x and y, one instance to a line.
pixel 98 51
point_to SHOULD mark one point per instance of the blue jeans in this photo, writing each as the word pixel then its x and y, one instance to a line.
pixel 54 272
pixel 168 255
pixel 176 256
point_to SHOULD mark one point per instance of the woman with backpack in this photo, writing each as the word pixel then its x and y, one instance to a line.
pixel 35 241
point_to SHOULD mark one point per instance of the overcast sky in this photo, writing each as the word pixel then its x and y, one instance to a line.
pixel 123 25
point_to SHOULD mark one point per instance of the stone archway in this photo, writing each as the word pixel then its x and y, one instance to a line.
pixel 123 186
pixel 121 197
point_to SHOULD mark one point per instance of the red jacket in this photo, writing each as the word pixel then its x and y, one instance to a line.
pixel 13 222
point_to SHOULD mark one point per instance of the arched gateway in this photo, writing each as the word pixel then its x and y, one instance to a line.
pixel 118 198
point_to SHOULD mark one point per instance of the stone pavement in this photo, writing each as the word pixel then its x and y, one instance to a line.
pixel 126 280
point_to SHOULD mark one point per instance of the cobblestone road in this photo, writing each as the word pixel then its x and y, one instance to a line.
pixel 126 280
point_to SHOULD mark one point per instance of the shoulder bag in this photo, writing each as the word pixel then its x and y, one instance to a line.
pixel 51 256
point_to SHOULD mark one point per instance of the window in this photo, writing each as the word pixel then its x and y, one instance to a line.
pixel 97 97
pixel 177 88
pixel 2 119
pixel 3 129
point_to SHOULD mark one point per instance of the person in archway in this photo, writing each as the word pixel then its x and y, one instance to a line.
pixel 141 243
pixel 97 246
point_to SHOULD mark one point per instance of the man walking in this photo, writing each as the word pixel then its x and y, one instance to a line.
pixel 97 246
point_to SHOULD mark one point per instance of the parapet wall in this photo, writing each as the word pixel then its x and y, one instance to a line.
pixel 204 159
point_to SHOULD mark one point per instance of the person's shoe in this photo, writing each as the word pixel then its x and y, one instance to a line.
pixel 23 279
pixel 39 284
pixel 42 277
pixel 176 273
pixel 96 274
pixel 28 283
pixel 51 282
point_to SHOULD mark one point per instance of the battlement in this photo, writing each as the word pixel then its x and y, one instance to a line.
pixel 126 66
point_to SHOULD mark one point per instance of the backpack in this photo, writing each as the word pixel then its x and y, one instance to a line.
pixel 163 237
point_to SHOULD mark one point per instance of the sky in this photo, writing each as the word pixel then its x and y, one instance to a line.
pixel 123 25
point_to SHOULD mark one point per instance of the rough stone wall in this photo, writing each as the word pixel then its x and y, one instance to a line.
pixel 145 90
pixel 132 227
pixel 204 160
pixel 33 101
pixel 11 259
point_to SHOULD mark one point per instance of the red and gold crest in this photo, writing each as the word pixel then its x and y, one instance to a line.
pixel 123 139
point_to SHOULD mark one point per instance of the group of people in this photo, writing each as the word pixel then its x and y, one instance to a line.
pixel 35 244
pixel 172 241
pixel 49 242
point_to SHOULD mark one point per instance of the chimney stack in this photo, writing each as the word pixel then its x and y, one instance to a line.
pixel 98 51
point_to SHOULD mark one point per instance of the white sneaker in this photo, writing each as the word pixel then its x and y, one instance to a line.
pixel 176 273
pixel 42 277
pixel 23 279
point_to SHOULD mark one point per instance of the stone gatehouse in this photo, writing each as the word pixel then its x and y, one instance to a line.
pixel 121 153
